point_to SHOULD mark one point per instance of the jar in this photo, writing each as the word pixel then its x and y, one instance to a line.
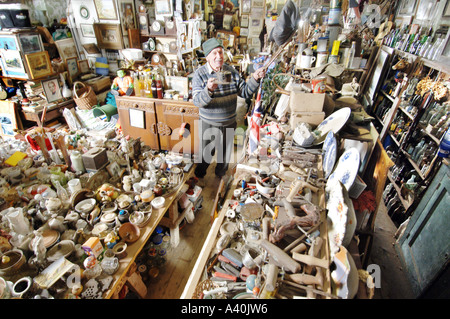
pixel 77 162
pixel 110 262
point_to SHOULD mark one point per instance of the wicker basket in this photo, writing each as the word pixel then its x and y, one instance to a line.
pixel 84 97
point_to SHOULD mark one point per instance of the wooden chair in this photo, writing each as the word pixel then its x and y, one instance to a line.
pixel 375 177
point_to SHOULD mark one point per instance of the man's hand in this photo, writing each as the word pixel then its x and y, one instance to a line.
pixel 259 74
pixel 212 84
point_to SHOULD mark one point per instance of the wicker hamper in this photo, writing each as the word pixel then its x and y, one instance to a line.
pixel 84 97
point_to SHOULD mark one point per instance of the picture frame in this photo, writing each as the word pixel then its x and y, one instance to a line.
pixel 8 43
pixel 8 118
pixel 163 8
pixel 66 48
pixel 39 64
pixel 30 43
pixel 227 37
pixel 446 12
pixel 127 15
pixel 407 7
pixel 106 9
pixel 380 68
pixel 12 64
pixel 244 21
pixel 109 36
pixel 114 169
pixel 83 66
pixel 52 89
pixel 87 30
pixel 72 67
pixel 424 9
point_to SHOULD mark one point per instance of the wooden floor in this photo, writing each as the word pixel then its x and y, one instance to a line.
pixel 181 260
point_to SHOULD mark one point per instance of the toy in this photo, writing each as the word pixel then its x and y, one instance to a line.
pixel 122 84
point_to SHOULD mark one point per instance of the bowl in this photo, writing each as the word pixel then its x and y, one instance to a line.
pixel 62 249
pixel 129 232
pixel 158 202
pixel 85 206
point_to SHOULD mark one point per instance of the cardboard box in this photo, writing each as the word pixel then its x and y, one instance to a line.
pixel 312 118
pixel 93 246
pixel 100 84
pixel 95 158
pixel 310 102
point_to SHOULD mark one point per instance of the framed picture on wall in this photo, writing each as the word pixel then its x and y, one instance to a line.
pixel 447 9
pixel 106 10
pixel 407 7
pixel 163 7
pixel 8 120
pixel 127 16
pixel 109 36
pixel 39 64
pixel 52 90
pixel 87 30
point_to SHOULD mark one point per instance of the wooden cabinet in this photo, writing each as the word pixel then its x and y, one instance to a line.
pixel 177 126
pixel 425 245
pixel 160 123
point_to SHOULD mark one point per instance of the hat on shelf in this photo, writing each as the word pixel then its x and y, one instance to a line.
pixel 210 45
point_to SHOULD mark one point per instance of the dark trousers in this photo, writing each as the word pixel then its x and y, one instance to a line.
pixel 215 140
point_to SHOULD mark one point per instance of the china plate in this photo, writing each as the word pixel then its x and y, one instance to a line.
pixel 333 123
pixel 336 217
pixel 329 153
pixel 346 169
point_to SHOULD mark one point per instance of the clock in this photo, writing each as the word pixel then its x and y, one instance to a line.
pixel 157 28
pixel 151 44
pixel 143 23
pixel 173 46
pixel 158 59
pixel 170 26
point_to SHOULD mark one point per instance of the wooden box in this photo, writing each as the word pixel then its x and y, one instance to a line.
pixel 95 159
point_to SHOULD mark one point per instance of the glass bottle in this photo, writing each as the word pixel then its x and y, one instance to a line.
pixel 137 91
pixel 153 87
pixel 159 88
pixel 350 56
pixel 418 148
pixel 61 192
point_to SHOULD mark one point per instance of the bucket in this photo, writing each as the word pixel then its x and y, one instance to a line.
pixel 108 110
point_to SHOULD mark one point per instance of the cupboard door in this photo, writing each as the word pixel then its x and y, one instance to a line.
pixel 171 116
pixel 138 119
pixel 425 246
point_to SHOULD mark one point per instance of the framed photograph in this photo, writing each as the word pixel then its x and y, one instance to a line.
pixel 227 18
pixel 246 6
pixel 87 30
pixel 114 169
pixel 106 10
pixel 227 38
pixel 257 3
pixel 39 64
pixel 91 48
pixel 12 64
pixel 8 43
pixel 52 90
pixel 380 68
pixel 424 9
pixel 72 67
pixel 109 36
pixel 244 21
pixel 127 16
pixel 407 7
pixel 163 8
pixel 83 66
pixel 30 43
pixel 8 120
pixel 66 49
pixel 446 10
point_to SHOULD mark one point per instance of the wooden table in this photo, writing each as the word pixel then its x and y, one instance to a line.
pixel 51 114
pixel 126 273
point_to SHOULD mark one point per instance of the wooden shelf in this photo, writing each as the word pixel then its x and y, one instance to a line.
pixel 406 113
pixel 413 164
pixel 404 202
pixel 390 98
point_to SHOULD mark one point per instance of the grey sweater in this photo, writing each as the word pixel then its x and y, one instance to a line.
pixel 220 107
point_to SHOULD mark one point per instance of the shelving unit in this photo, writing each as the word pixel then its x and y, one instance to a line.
pixel 390 109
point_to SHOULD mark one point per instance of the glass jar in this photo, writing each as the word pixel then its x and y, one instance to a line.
pixel 110 262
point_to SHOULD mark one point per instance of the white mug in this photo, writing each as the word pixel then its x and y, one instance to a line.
pixel 306 61
pixel 322 58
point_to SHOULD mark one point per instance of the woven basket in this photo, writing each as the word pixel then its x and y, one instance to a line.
pixel 84 97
